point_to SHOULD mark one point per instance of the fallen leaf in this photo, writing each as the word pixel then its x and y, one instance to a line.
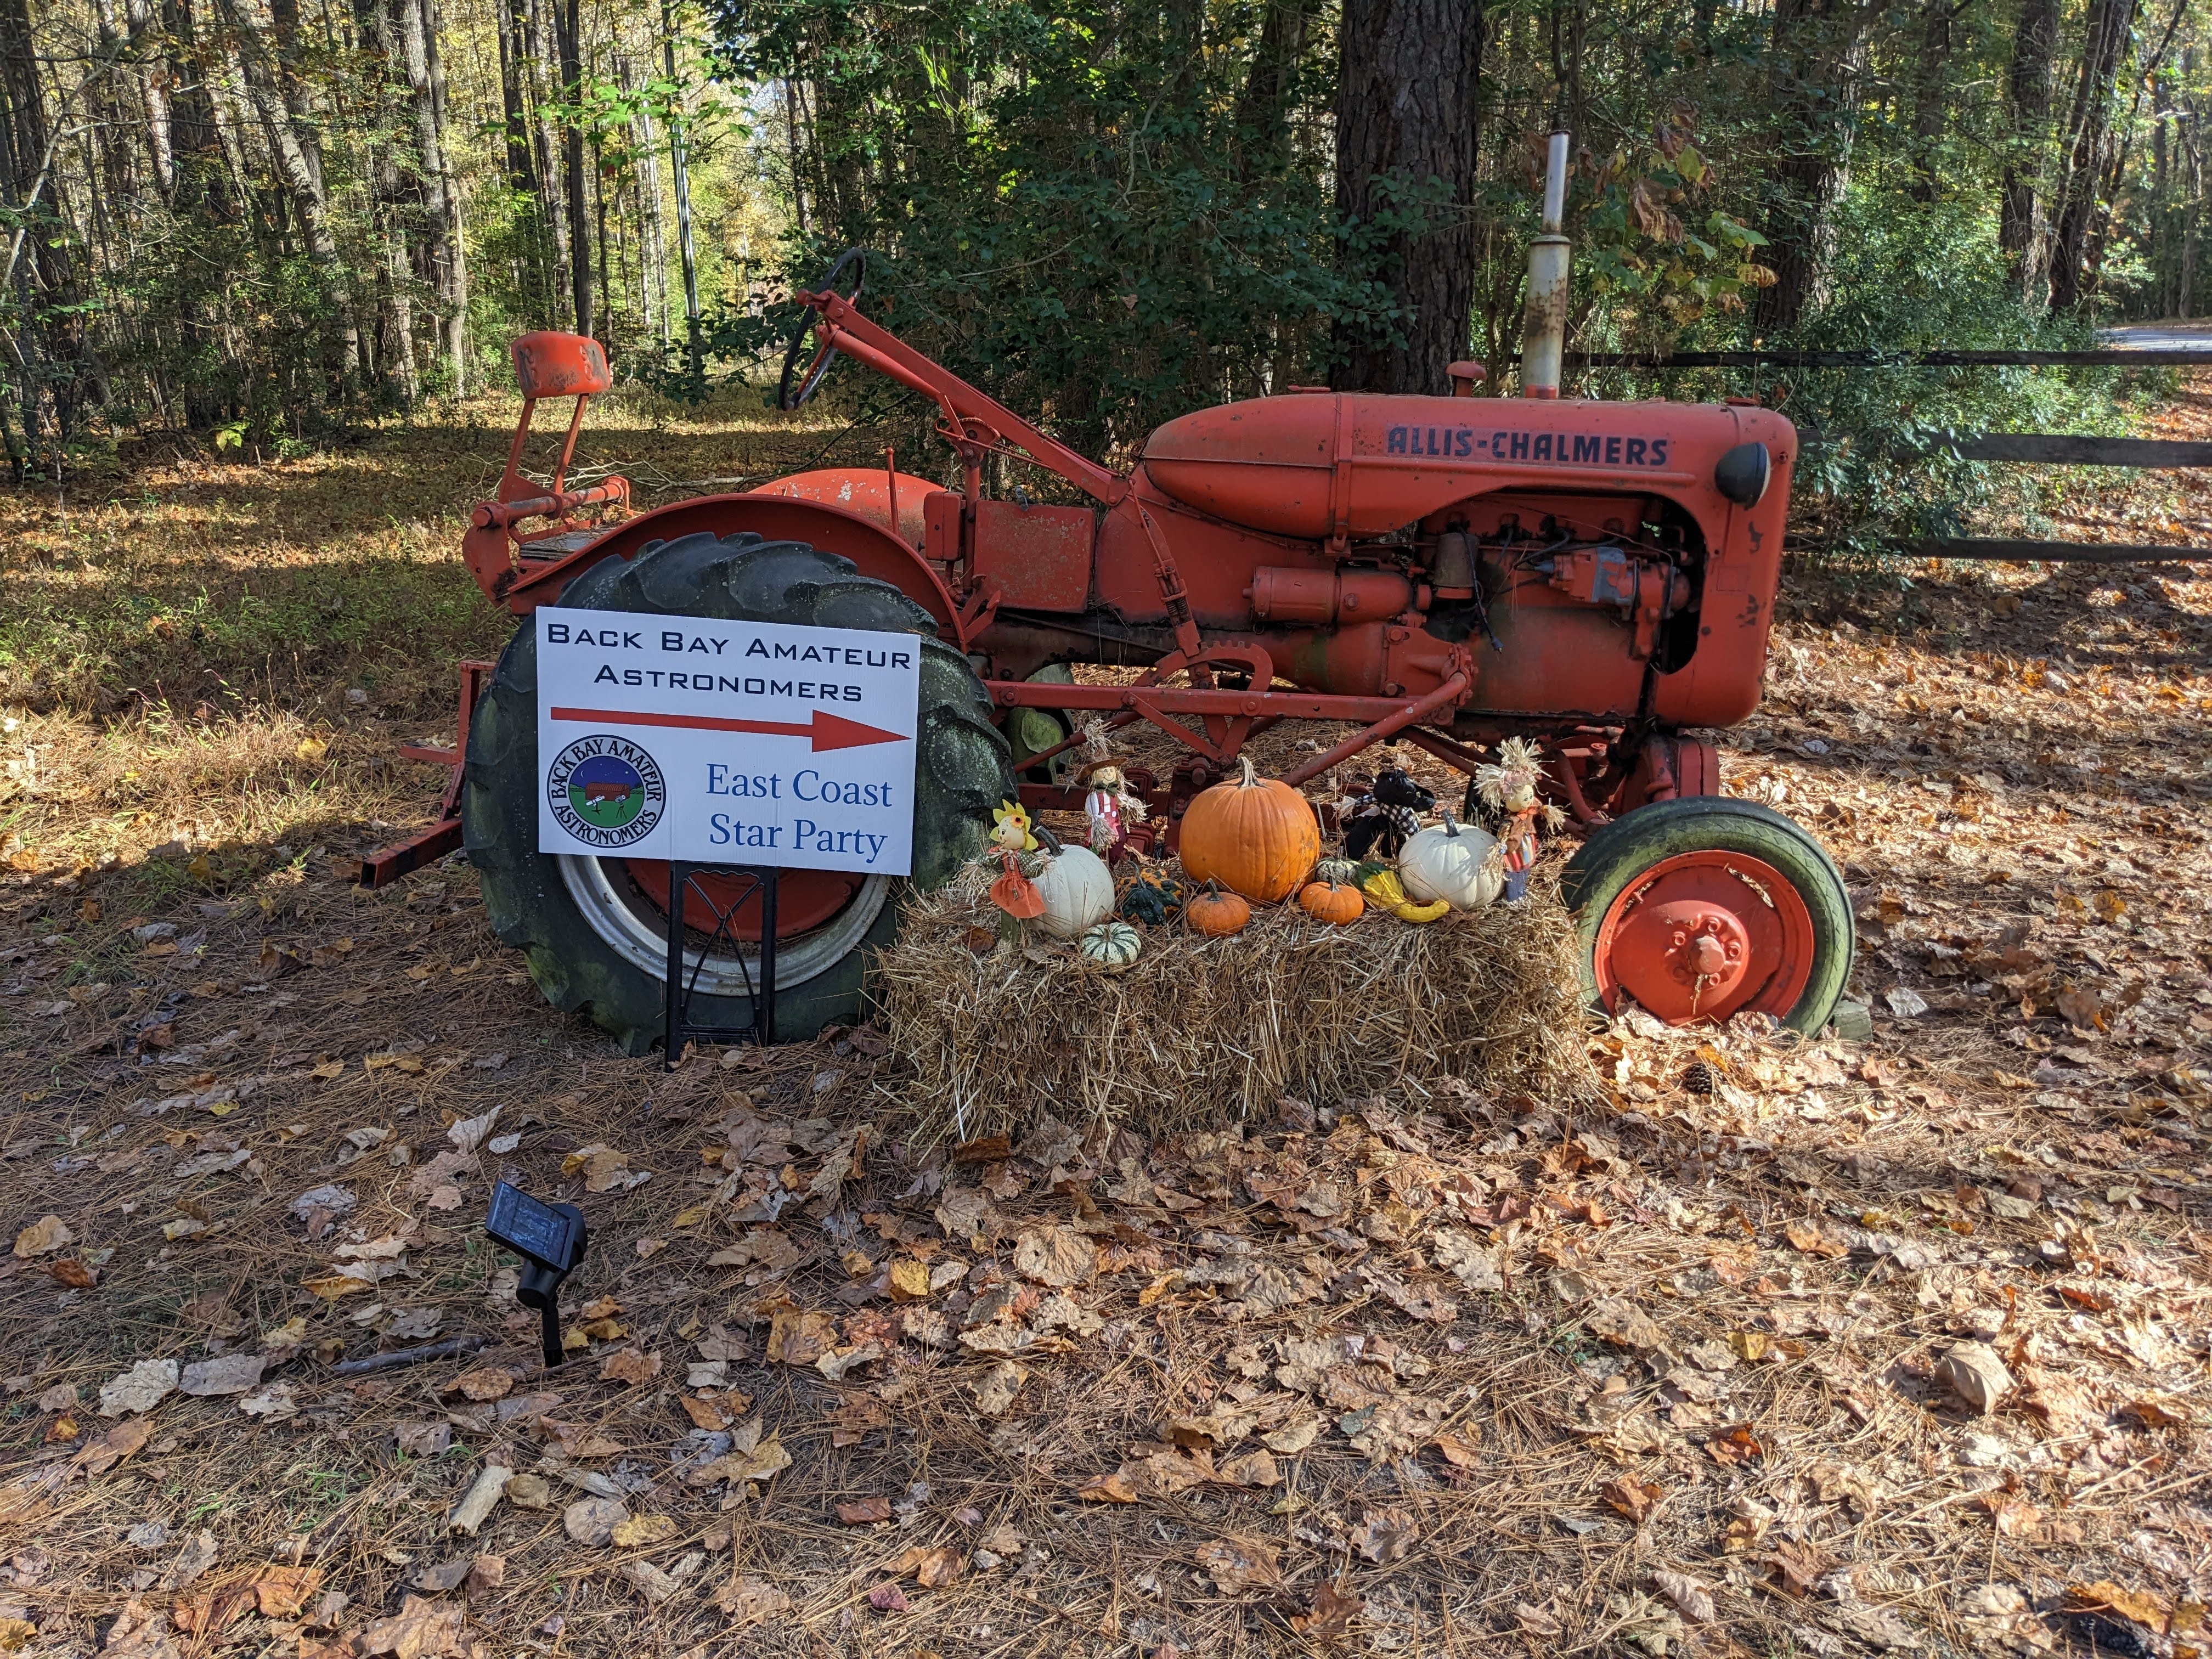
pixel 908 1281
pixel 1973 1372
pixel 1237 1565
pixel 436 1577
pixel 592 1521
pixel 2134 1605
pixel 1805 1237
pixel 482 1382
pixel 43 1237
pixel 2014 1517
pixel 1114 1488
pixel 704 1414
pixel 230 1373
pixel 935 1569
pixel 887 1598
pixel 630 1367
pixel 1061 1258
pixel 749 1601
pixel 129 1435
pixel 1634 1499
pixel 798 1338
pixel 141 1388
pixel 419 1630
pixel 1798 1566
pixel 1329 1617
pixel 995 1392
pixel 1694 1598
pixel 1384 1536
pixel 1623 1324
pixel 644 1530
pixel 1735 1446
pixel 867 1512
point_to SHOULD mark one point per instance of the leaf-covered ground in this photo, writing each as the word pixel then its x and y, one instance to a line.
pixel 1765 1347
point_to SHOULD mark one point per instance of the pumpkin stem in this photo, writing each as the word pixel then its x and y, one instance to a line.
pixel 1251 779
pixel 1051 842
pixel 1451 830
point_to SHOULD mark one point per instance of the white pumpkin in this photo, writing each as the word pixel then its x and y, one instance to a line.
pixel 1077 890
pixel 1455 862
pixel 1112 945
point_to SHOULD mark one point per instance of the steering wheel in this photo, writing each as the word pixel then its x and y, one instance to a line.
pixel 787 397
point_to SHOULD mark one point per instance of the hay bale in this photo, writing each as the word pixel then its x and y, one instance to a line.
pixel 1202 1032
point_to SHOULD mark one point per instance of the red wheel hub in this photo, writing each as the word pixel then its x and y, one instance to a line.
pixel 805 899
pixel 1704 935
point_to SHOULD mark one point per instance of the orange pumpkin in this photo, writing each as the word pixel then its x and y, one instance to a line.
pixel 1256 837
pixel 1216 914
pixel 1331 902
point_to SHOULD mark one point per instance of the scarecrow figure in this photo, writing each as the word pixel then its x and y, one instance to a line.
pixel 1110 804
pixel 1383 812
pixel 1508 788
pixel 1013 892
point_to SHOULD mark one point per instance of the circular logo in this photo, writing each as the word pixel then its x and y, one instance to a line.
pixel 605 791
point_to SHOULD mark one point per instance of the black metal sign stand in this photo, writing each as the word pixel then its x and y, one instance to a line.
pixel 756 882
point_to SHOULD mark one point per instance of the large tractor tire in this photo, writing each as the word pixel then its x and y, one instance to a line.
pixel 595 930
pixel 1706 906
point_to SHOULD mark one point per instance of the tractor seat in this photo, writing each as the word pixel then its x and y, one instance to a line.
pixel 561 544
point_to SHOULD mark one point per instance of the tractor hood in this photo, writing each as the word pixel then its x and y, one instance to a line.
pixel 1315 466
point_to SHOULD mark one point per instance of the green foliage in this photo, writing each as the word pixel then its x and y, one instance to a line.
pixel 1066 205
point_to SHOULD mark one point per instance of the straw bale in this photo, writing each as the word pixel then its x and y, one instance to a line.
pixel 1203 1032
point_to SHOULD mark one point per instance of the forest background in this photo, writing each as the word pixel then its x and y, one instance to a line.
pixel 269 222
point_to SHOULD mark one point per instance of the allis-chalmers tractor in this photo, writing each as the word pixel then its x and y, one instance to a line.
pixel 1439 571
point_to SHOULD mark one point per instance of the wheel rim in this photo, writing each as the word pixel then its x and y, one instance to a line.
pixel 805 899
pixel 1704 935
pixel 615 906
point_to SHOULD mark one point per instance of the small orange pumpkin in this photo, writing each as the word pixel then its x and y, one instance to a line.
pixel 1331 902
pixel 1216 914
pixel 1257 837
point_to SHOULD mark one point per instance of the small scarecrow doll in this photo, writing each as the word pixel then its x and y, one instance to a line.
pixel 1110 805
pixel 1508 788
pixel 1383 813
pixel 1013 892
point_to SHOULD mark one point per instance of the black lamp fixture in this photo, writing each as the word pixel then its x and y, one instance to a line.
pixel 551 1239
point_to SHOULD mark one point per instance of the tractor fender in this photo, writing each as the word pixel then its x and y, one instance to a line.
pixel 832 529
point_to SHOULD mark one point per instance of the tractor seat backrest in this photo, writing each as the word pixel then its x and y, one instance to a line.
pixel 550 364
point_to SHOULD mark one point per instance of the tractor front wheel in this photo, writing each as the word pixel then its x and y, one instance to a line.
pixel 595 930
pixel 1704 907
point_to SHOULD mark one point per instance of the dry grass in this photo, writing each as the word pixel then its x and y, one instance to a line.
pixel 1202 1032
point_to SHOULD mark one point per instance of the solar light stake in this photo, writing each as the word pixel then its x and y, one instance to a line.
pixel 551 1239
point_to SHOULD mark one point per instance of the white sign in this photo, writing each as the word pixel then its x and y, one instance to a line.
pixel 725 742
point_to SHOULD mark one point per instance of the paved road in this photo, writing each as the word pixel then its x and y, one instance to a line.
pixel 2161 337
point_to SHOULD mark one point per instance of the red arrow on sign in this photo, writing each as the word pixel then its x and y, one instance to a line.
pixel 827 730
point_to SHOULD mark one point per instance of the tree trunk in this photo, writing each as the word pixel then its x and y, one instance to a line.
pixel 1930 93
pixel 553 199
pixel 46 332
pixel 1406 111
pixel 1818 51
pixel 567 21
pixel 1264 99
pixel 301 172
pixel 2103 47
pixel 513 53
pixel 2021 227
pixel 441 201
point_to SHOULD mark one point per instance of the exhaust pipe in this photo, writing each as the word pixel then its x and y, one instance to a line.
pixel 1544 325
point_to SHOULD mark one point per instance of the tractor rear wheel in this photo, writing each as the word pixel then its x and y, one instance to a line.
pixel 594 930
pixel 1705 906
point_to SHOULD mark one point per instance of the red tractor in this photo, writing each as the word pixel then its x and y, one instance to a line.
pixel 1441 571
